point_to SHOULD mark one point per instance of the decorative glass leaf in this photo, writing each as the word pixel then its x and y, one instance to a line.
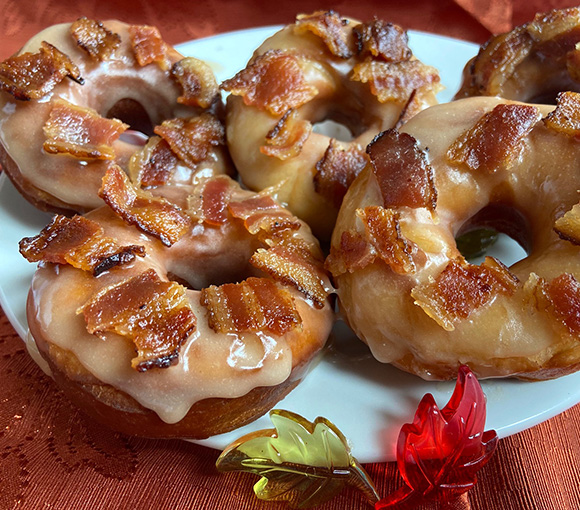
pixel 439 454
pixel 304 463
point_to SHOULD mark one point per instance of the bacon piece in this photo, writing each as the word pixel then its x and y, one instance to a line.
pixel 148 46
pixel 564 295
pixel 336 171
pixel 197 82
pixel 208 202
pixel 94 38
pixel 263 213
pixel 329 26
pixel 296 266
pixel 154 164
pixel 403 173
pixel 256 304
pixel 395 81
pixel 493 142
pixel 496 63
pixel 384 234
pixel 382 40
pixel 462 288
pixel 80 132
pixel 555 33
pixel 286 139
pixel 566 117
pixel 353 253
pixel 33 75
pixel 274 82
pixel 79 242
pixel 568 226
pixel 153 314
pixel 193 139
pixel 153 215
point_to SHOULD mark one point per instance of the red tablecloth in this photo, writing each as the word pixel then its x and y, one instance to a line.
pixel 51 456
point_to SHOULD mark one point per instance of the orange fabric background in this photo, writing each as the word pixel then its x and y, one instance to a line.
pixel 52 457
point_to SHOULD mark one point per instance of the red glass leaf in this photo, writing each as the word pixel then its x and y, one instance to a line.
pixel 439 454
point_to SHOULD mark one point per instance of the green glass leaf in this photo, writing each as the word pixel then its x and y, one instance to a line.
pixel 304 463
pixel 476 242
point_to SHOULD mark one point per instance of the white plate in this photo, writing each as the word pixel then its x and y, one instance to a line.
pixel 367 400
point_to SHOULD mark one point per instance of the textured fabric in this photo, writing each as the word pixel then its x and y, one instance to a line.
pixel 51 456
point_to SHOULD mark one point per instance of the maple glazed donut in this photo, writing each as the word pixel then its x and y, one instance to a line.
pixel 68 97
pixel 532 63
pixel 322 67
pixel 186 324
pixel 404 287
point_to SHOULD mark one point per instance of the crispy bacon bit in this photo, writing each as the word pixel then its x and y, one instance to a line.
pixel 79 242
pixel 193 139
pixel 566 117
pixel 154 164
pixel 256 304
pixel 329 26
pixel 336 171
pixel 461 288
pixel 263 213
pixel 33 75
pixel 148 46
pixel 564 295
pixel 94 38
pixel 496 63
pixel 294 266
pixel 384 234
pixel 395 81
pixel 568 226
pixel 556 32
pixel 353 253
pixel 209 201
pixel 382 40
pixel 286 139
pixel 197 82
pixel 274 82
pixel 80 132
pixel 153 215
pixel 403 173
pixel 155 315
pixel 493 142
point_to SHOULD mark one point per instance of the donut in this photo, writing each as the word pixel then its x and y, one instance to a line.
pixel 168 321
pixel 532 63
pixel 404 287
pixel 322 67
pixel 80 95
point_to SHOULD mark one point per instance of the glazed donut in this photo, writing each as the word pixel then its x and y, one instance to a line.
pixel 320 68
pixel 62 97
pixel 532 63
pixel 402 284
pixel 165 322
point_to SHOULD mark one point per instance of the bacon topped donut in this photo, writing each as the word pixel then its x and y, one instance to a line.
pixel 532 63
pixel 403 285
pixel 322 67
pixel 171 321
pixel 73 99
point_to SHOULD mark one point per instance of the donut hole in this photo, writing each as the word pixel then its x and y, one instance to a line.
pixel 213 257
pixel 333 129
pixel 497 230
pixel 134 114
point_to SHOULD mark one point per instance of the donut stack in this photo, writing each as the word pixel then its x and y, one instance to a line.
pixel 181 291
